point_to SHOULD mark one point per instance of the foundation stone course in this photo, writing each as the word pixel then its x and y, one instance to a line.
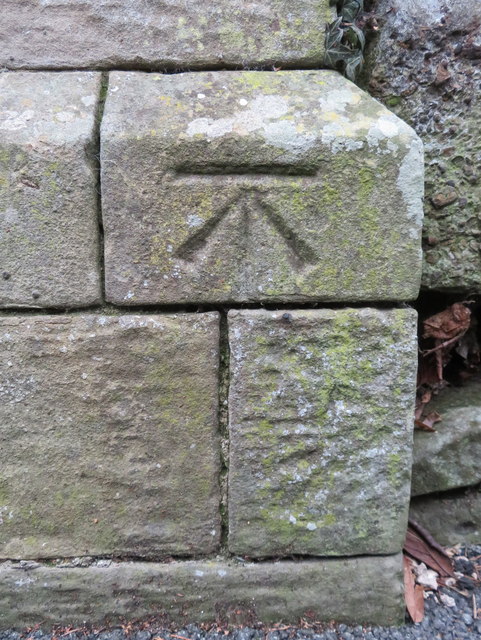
pixel 109 34
pixel 48 190
pixel 109 435
pixel 320 407
pixel 351 590
pixel 256 186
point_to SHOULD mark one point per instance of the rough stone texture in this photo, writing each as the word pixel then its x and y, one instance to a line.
pixel 108 435
pixel 320 431
pixel 451 457
pixel 48 190
pixel 425 67
pixel 251 186
pixel 354 590
pixel 153 34
pixel 453 517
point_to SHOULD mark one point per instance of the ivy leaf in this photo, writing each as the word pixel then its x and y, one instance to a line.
pixel 345 41
pixel 359 34
pixel 353 65
pixel 351 9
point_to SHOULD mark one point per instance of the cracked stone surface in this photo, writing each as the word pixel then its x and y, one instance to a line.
pixel 159 34
pixel 109 435
pixel 320 423
pixel 48 190
pixel 257 186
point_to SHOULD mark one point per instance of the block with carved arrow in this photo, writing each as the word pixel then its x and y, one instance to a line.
pixel 251 186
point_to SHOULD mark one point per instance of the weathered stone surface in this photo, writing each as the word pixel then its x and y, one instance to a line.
pixel 425 68
pixel 108 435
pixel 248 186
pixel 48 190
pixel 320 431
pixel 154 35
pixel 451 457
pixel 453 517
pixel 357 590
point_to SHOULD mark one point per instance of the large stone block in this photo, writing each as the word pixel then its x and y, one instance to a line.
pixel 150 34
pixel 108 435
pixel 48 190
pixel 256 186
pixel 451 457
pixel 320 409
pixel 425 67
pixel 352 590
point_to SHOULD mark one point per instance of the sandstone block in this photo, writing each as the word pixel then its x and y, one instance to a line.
pixel 48 190
pixel 450 458
pixel 108 435
pixel 320 431
pixel 257 186
pixel 154 35
pixel 353 590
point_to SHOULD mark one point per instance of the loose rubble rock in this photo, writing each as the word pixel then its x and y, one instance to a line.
pixel 450 457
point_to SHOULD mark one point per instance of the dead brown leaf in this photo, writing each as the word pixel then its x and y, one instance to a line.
pixel 427 422
pixel 425 551
pixel 446 327
pixel 413 593
pixel 448 323
pixel 428 373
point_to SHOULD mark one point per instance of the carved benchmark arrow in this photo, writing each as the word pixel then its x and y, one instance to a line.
pixel 242 205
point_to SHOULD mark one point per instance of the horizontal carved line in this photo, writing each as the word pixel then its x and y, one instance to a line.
pixel 256 170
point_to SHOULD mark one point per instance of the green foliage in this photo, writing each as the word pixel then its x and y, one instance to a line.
pixel 345 40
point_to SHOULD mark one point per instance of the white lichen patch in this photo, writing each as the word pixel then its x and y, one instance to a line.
pixel 338 99
pixel 14 120
pixel 285 134
pixel 263 114
pixel 89 100
pixel 194 220
pixel 262 109
pixel 341 136
pixel 411 184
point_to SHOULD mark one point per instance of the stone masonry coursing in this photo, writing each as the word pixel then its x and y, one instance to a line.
pixel 258 458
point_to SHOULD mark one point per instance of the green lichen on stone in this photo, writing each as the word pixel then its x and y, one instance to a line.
pixel 49 226
pixel 313 415
pixel 188 35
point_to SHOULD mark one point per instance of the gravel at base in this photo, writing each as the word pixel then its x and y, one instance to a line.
pixel 440 623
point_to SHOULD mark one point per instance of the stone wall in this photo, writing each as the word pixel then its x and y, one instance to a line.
pixel 425 66
pixel 207 359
